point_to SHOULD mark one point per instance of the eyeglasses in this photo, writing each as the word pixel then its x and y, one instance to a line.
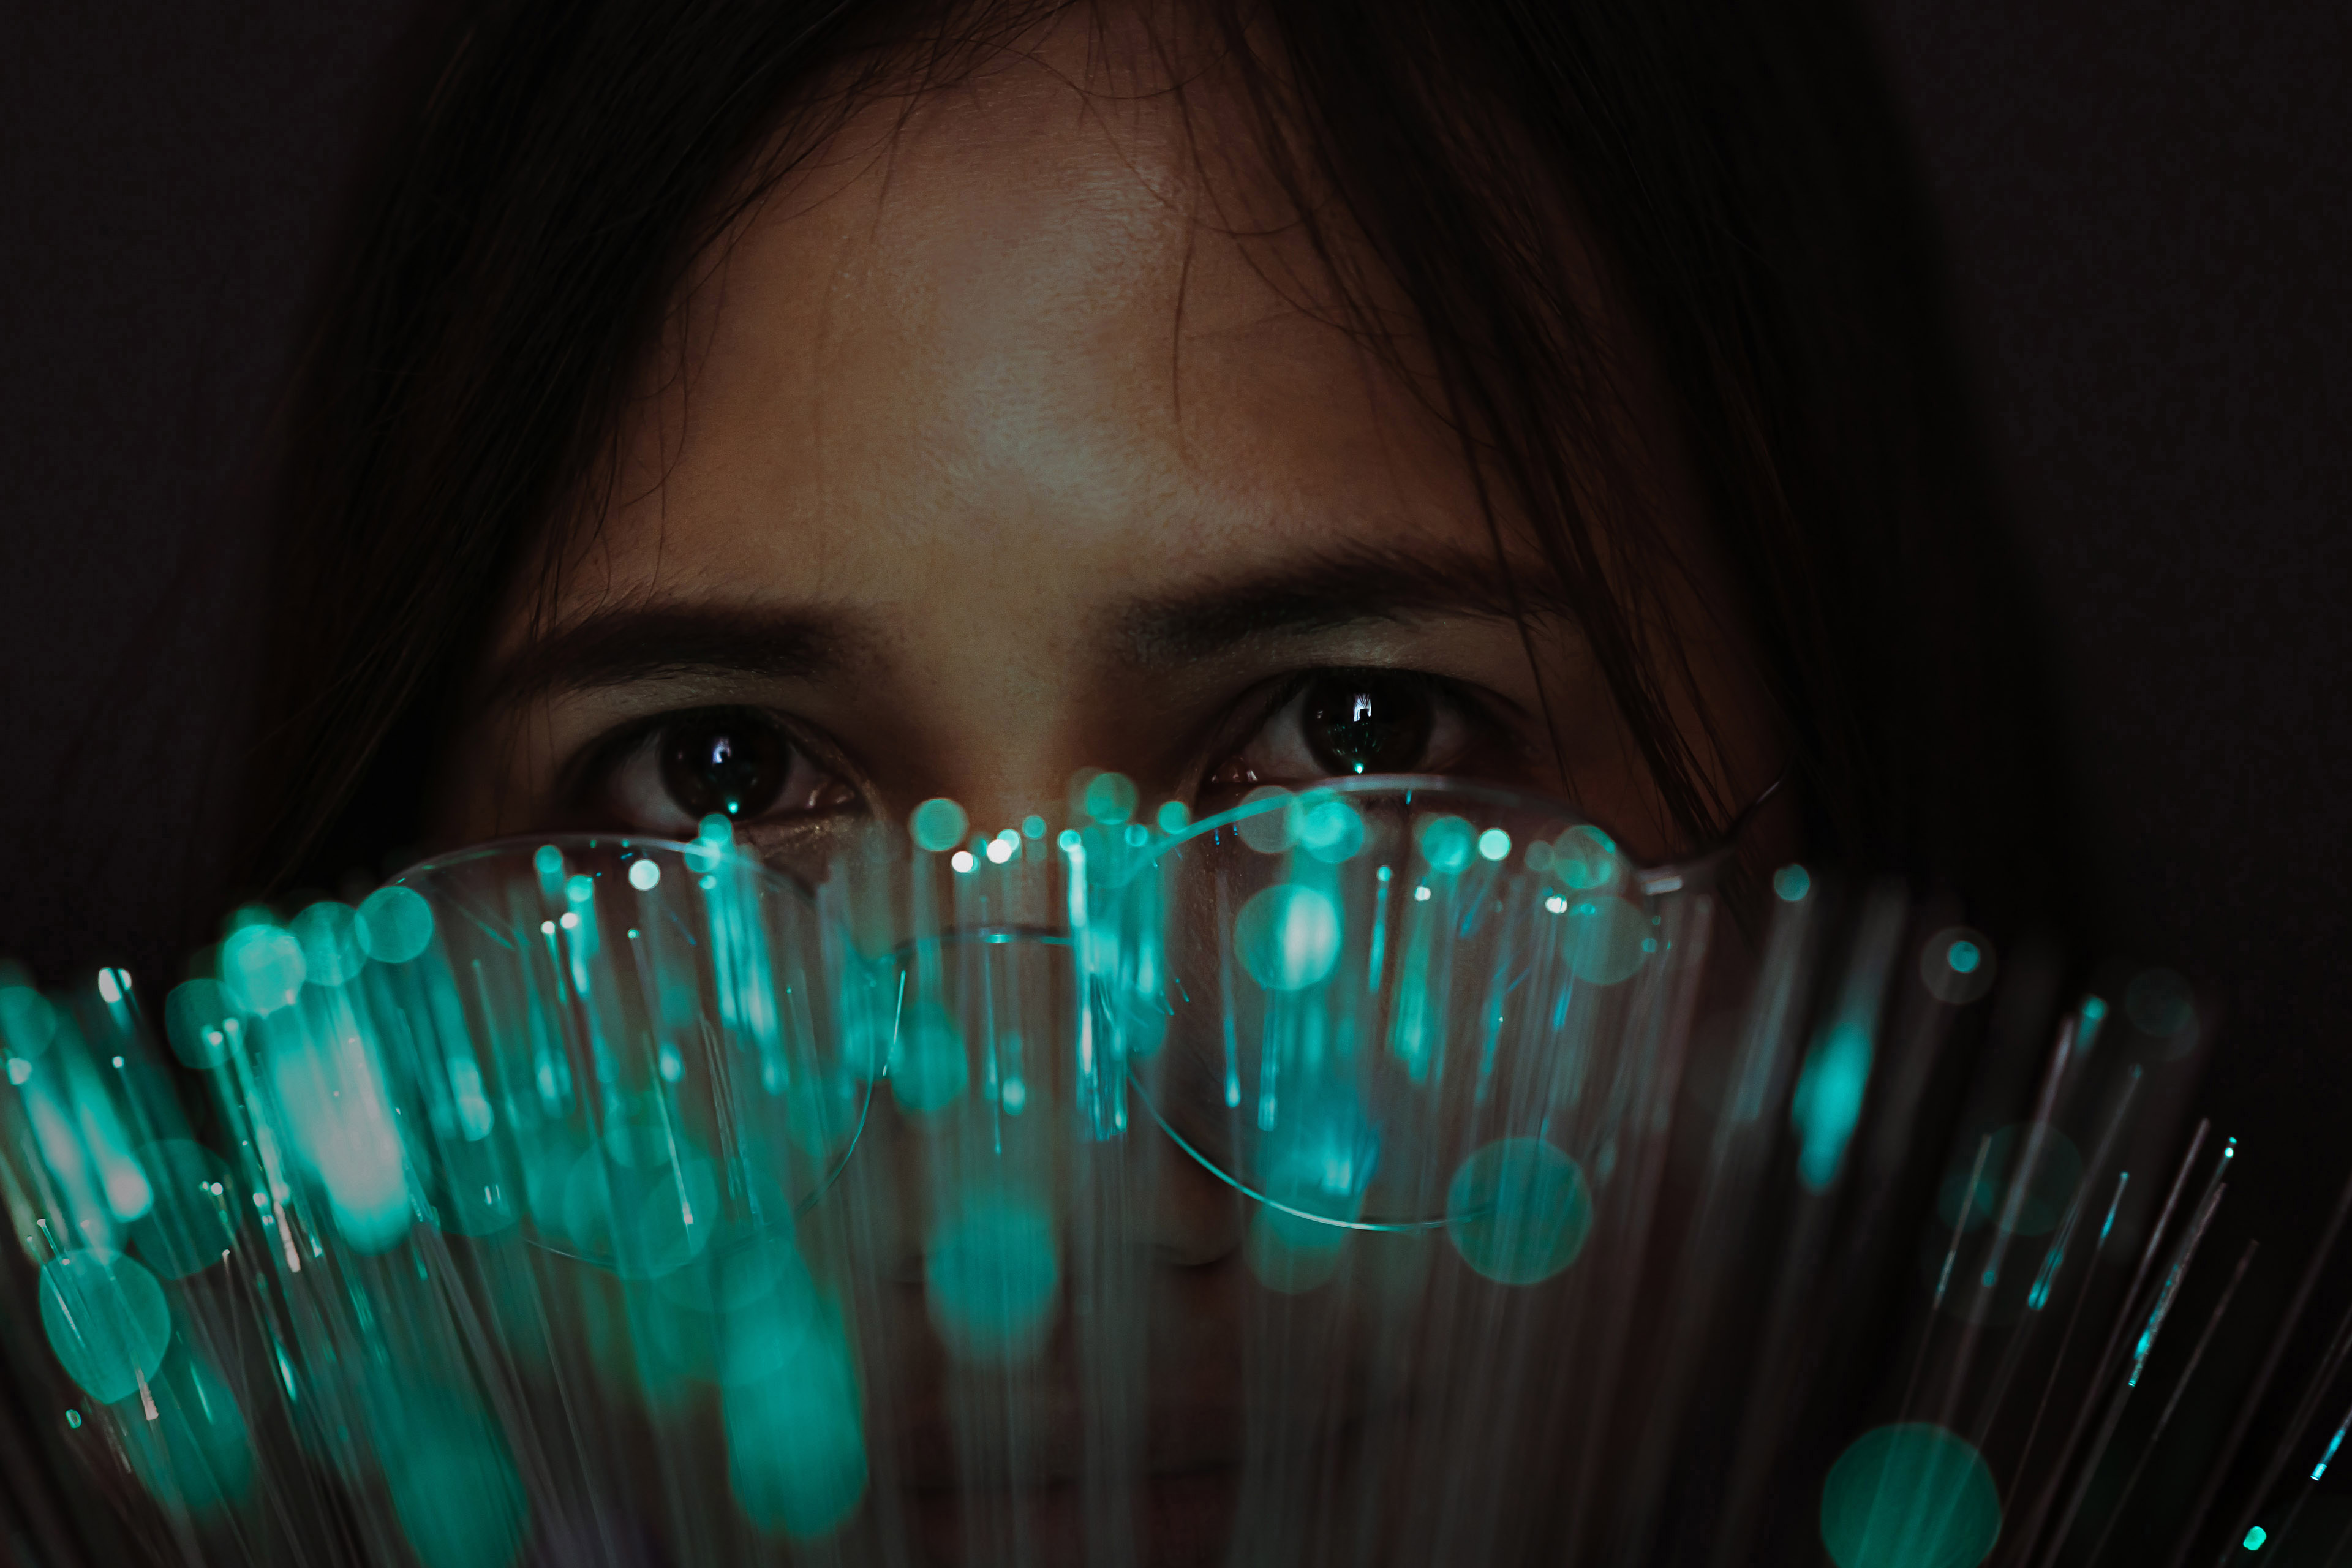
pixel 637 1184
pixel 1376 1004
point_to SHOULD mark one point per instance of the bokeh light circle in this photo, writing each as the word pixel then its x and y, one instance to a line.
pixel 1287 936
pixel 26 1020
pixel 262 966
pixel 1958 965
pixel 927 1068
pixel 327 933
pixel 1519 1210
pixel 1584 858
pixel 107 1320
pixel 1448 843
pixel 1909 1496
pixel 1604 936
pixel 198 1017
pixel 1271 824
pixel 2038 1205
pixel 395 924
pixel 938 825
pixel 1110 799
pixel 991 1277
pixel 1330 830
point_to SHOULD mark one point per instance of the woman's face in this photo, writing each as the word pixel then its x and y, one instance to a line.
pixel 986 452
pixel 990 450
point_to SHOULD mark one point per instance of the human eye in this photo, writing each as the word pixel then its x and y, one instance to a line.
pixel 1338 724
pixel 662 776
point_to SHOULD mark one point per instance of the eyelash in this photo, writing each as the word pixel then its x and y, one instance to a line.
pixel 595 781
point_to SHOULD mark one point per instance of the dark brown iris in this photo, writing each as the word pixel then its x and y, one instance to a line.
pixel 724 762
pixel 1368 723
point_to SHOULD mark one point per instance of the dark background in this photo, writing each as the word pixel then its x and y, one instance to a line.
pixel 2147 219
pixel 2148 223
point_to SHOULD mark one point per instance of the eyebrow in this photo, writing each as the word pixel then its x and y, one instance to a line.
pixel 628 645
pixel 1328 592
pixel 633 644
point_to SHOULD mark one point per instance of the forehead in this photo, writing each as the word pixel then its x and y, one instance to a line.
pixel 1030 323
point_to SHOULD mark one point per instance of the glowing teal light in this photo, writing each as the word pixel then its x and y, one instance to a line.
pixel 73 1419
pixel 937 825
pixel 28 1020
pixel 1793 883
pixel 993 1277
pixel 454 1487
pixel 1446 843
pixel 1287 936
pixel 336 1109
pixel 1909 1496
pixel 1584 858
pixel 928 1067
pixel 1331 830
pixel 716 830
pixel 188 1228
pixel 331 947
pixel 2255 1536
pixel 795 1448
pixel 1828 1102
pixel 1519 1210
pixel 1109 798
pixel 395 924
pixel 1494 844
pixel 1606 937
pixel 263 968
pixel 1034 826
pixel 2086 1034
pixel 548 860
pixel 197 1455
pixel 1173 816
pixel 106 1320
pixel 646 1210
pixel 644 875
pixel 1958 965
pixel 197 1019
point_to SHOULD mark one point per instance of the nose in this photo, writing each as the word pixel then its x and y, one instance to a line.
pixel 1008 1133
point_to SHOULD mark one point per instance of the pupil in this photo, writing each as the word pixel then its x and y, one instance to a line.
pixel 725 764
pixel 1368 723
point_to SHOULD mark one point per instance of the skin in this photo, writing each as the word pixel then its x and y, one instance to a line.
pixel 987 450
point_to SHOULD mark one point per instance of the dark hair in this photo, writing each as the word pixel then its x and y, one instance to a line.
pixel 1738 167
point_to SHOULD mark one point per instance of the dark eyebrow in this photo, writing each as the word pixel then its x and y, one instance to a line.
pixel 629 644
pixel 1323 593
